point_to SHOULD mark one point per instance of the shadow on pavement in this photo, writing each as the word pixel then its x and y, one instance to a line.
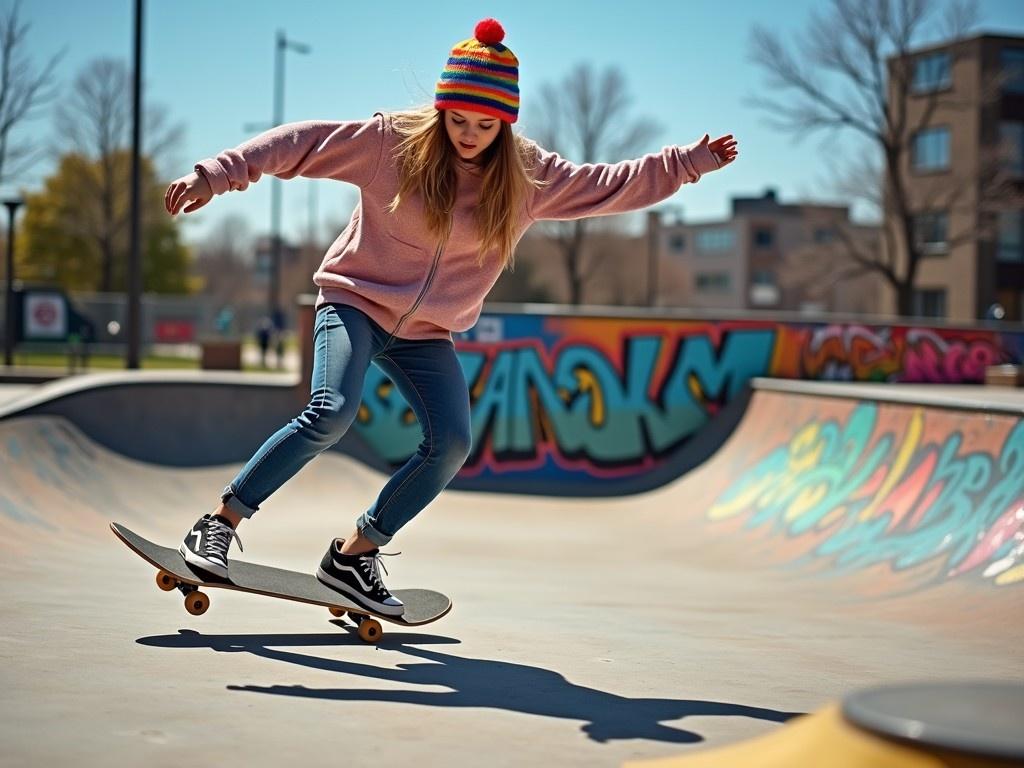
pixel 473 683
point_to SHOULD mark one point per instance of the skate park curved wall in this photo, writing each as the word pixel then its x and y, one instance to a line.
pixel 813 474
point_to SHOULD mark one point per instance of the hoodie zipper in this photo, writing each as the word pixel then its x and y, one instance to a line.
pixel 426 285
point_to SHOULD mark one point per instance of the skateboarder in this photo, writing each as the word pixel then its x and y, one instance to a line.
pixel 446 191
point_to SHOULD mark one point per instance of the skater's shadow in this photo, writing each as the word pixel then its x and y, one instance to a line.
pixel 476 683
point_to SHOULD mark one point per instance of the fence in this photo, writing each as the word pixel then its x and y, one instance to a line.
pixel 166 319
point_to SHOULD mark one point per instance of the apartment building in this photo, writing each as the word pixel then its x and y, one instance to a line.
pixel 770 255
pixel 964 176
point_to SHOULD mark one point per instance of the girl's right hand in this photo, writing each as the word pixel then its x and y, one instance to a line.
pixel 194 188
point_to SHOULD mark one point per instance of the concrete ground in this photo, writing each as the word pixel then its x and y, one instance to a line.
pixel 584 632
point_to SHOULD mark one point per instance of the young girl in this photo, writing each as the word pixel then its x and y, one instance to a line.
pixel 446 191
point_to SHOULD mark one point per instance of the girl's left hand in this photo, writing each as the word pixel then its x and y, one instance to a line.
pixel 725 148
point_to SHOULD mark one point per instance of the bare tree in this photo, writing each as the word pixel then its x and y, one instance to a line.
pixel 866 44
pixel 23 92
pixel 95 122
pixel 585 118
pixel 224 261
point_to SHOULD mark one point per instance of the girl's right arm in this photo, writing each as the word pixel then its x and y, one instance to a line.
pixel 345 151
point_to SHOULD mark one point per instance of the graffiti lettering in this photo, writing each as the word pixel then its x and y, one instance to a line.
pixel 858 353
pixel 864 496
pixel 580 407
pixel 930 358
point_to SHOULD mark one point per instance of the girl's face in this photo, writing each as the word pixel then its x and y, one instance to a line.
pixel 470 132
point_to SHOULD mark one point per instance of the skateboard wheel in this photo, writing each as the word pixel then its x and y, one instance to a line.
pixel 165 581
pixel 369 630
pixel 337 613
pixel 197 603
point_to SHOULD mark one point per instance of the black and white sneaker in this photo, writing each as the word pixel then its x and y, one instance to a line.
pixel 206 545
pixel 358 578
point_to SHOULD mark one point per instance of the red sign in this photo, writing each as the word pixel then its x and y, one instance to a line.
pixel 175 331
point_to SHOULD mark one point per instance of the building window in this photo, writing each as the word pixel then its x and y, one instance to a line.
pixel 1010 246
pixel 824 234
pixel 712 240
pixel 763 238
pixel 677 243
pixel 930 302
pixel 1012 60
pixel 763 290
pixel 1011 142
pixel 932 73
pixel 712 282
pixel 931 149
pixel 931 231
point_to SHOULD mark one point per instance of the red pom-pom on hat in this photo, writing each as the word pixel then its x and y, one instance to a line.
pixel 489 32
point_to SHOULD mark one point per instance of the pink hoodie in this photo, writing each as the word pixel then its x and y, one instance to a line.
pixel 388 264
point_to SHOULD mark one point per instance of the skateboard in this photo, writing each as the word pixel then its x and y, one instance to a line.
pixel 422 606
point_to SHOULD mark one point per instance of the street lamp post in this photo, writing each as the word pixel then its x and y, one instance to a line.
pixel 12 209
pixel 274 294
pixel 135 283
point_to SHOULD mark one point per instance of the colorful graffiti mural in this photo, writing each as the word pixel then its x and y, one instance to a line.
pixel 927 493
pixel 890 354
pixel 601 400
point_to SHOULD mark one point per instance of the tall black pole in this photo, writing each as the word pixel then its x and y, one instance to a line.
pixel 135 256
pixel 12 209
pixel 274 292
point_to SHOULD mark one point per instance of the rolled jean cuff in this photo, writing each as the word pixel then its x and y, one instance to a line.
pixel 231 501
pixel 365 527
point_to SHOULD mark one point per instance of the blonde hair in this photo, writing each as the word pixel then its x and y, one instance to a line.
pixel 426 165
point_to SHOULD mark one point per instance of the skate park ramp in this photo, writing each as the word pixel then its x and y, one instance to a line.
pixel 838 539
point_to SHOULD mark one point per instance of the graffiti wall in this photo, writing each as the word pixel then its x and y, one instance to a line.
pixel 579 401
pixel 926 494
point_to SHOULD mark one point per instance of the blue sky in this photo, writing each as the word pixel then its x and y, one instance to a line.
pixel 687 65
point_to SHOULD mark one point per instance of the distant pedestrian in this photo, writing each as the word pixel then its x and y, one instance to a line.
pixel 263 331
pixel 79 341
pixel 279 337
pixel 224 320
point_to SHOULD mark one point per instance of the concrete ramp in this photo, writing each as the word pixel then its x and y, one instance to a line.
pixel 896 495
pixel 836 540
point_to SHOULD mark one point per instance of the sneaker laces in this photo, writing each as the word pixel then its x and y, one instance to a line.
pixel 372 562
pixel 220 535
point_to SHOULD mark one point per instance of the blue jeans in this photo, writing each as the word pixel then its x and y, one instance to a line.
pixel 430 378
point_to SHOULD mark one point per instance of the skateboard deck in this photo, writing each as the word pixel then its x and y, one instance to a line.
pixel 422 606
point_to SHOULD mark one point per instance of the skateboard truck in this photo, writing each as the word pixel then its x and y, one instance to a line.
pixel 197 602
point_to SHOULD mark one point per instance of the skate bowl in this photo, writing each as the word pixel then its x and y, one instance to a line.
pixel 818 540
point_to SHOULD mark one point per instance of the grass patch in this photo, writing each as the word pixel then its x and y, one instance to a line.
pixel 100 362
pixel 117 362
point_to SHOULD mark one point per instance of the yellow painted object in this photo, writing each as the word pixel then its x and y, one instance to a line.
pixel 822 739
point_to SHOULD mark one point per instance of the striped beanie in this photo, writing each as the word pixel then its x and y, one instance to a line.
pixel 481 75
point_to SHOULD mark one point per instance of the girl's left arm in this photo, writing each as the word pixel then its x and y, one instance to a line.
pixel 570 191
